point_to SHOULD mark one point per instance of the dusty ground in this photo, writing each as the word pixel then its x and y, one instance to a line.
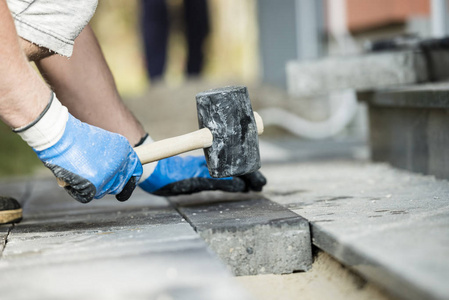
pixel 326 280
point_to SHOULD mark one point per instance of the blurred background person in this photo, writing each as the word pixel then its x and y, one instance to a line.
pixel 155 22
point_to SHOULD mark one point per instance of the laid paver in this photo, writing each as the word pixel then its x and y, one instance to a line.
pixel 251 234
pixel 391 226
pixel 140 249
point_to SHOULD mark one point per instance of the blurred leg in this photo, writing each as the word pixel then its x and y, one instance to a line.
pixel 155 28
pixel 197 25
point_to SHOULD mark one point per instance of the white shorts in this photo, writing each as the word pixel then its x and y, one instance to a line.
pixel 53 24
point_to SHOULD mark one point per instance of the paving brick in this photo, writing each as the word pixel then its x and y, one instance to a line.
pixel 251 234
pixel 390 226
pixel 139 249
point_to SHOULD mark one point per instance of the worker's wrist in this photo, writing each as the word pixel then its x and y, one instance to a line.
pixel 47 128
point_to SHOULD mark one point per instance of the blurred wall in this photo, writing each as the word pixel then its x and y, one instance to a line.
pixel 278 42
pixel 288 30
pixel 367 14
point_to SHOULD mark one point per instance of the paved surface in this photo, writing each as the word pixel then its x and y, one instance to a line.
pixel 140 249
pixel 251 234
pixel 389 225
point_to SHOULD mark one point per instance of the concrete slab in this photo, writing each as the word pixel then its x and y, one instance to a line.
pixel 391 226
pixel 139 249
pixel 170 275
pixel 359 72
pixel 251 234
pixel 430 95
pixel 409 128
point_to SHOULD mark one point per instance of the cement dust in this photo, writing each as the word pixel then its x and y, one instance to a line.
pixel 327 279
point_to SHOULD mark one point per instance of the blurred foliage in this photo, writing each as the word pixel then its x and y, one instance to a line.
pixel 16 157
pixel 233 43
pixel 116 26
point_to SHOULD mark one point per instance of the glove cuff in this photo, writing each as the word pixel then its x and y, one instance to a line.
pixel 48 128
pixel 148 169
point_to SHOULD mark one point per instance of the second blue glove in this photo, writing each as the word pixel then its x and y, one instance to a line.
pixel 186 175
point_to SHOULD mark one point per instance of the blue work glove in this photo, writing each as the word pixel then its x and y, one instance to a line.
pixel 186 175
pixel 92 162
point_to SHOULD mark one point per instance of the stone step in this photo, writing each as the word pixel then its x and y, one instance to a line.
pixel 409 128
pixel 360 72
pixel 366 72
pixel 390 226
pixel 250 233
pixel 140 249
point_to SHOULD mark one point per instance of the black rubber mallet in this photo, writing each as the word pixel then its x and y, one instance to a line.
pixel 228 133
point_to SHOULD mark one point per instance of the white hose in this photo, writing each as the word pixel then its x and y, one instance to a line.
pixel 339 119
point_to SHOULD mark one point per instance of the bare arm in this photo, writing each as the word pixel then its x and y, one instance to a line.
pixel 23 95
pixel 85 85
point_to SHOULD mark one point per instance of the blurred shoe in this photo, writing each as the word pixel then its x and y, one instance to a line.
pixel 10 210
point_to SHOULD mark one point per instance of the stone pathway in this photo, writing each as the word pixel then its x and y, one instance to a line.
pixel 389 226
pixel 140 249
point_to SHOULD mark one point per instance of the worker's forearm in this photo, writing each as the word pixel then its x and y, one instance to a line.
pixel 23 95
pixel 85 85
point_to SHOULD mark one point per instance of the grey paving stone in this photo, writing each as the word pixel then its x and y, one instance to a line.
pixel 409 128
pixel 139 249
pixel 391 226
pixel 359 72
pixel 251 234
pixel 430 95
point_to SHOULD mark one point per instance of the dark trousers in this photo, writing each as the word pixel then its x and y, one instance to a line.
pixel 155 29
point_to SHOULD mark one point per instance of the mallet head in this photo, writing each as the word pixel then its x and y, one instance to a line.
pixel 227 113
